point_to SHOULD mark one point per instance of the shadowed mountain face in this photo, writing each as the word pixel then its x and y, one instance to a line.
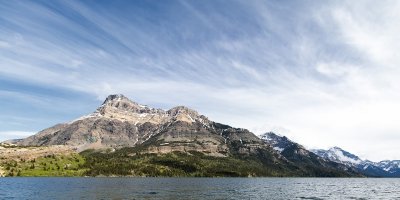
pixel 120 122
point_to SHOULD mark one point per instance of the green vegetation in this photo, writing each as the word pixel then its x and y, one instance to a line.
pixel 127 162
pixel 133 162
pixel 50 165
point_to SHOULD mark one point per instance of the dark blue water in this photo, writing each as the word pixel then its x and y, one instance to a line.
pixel 199 188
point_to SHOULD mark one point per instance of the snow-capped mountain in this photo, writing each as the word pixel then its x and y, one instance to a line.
pixel 279 143
pixel 385 168
pixel 339 155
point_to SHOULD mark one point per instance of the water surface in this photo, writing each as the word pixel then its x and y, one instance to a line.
pixel 199 188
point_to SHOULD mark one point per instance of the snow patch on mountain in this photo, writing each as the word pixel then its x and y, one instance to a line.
pixel 279 149
pixel 340 155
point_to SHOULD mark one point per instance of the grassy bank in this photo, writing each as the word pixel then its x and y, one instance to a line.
pixel 49 165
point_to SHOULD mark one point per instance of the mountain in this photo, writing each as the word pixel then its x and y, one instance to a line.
pixel 120 122
pixel 122 137
pixel 296 153
pixel 385 168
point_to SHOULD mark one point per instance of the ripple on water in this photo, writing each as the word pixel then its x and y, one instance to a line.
pixel 198 188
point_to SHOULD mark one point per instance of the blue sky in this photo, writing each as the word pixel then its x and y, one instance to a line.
pixel 324 73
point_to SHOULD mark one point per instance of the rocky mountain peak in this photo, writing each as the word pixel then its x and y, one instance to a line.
pixel 119 107
pixel 278 142
pixel 182 110
pixel 114 97
pixel 273 136
pixel 118 104
pixel 119 101
pixel 335 148
pixel 182 113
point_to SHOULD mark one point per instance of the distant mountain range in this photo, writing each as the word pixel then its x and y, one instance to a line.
pixel 123 137
pixel 386 168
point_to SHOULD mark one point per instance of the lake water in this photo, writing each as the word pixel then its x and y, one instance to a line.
pixel 199 188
